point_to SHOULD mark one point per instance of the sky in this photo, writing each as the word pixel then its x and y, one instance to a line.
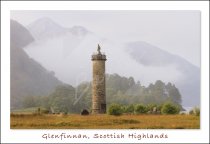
pixel 177 32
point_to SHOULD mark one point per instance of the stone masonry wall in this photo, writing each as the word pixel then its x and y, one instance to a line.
pixel 98 87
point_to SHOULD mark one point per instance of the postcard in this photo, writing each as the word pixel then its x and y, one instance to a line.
pixel 104 75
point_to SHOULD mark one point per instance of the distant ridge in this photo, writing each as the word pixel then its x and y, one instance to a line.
pixel 144 61
pixel 45 28
pixel 28 78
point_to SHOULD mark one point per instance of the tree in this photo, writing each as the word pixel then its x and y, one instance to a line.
pixel 131 81
pixel 115 109
pixel 174 95
pixel 29 101
pixel 170 108
pixel 140 108
pixel 62 99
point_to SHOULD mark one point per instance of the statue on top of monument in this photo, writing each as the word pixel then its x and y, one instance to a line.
pixel 99 48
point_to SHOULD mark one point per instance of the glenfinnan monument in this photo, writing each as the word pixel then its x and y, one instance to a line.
pixel 98 83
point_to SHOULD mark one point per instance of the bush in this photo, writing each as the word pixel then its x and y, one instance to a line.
pixel 169 108
pixel 195 111
pixel 151 106
pixel 139 108
pixel 129 109
pixel 191 112
pixel 159 107
pixel 115 109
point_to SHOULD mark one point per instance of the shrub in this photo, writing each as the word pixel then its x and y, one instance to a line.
pixel 191 112
pixel 123 108
pixel 169 108
pixel 151 106
pixel 139 108
pixel 195 111
pixel 159 107
pixel 115 109
pixel 129 109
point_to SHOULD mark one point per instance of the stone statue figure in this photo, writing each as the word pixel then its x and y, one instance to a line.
pixel 99 48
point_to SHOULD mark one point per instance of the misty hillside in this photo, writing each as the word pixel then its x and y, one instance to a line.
pixel 19 35
pixel 50 29
pixel 119 89
pixel 67 52
pixel 28 78
pixel 45 28
pixel 149 55
pixel 189 82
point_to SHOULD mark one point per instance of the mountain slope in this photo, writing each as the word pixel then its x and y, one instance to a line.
pixel 28 78
pixel 149 55
pixel 45 28
pixel 189 82
pixel 19 36
pixel 69 56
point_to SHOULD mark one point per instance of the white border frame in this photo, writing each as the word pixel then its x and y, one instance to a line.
pixel 35 136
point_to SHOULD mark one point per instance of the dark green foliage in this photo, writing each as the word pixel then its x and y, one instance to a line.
pixel 151 106
pixel 174 94
pixel 132 93
pixel 61 99
pixel 129 109
pixel 154 108
pixel 159 107
pixel 67 99
pixel 115 109
pixel 140 109
pixel 119 83
pixel 169 108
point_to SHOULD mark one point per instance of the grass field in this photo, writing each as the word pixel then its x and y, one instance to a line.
pixel 103 121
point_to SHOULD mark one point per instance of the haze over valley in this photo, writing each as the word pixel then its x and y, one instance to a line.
pixel 64 55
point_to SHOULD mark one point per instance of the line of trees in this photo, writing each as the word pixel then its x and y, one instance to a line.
pixel 121 90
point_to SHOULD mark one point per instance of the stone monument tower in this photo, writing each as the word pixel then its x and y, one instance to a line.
pixel 98 83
